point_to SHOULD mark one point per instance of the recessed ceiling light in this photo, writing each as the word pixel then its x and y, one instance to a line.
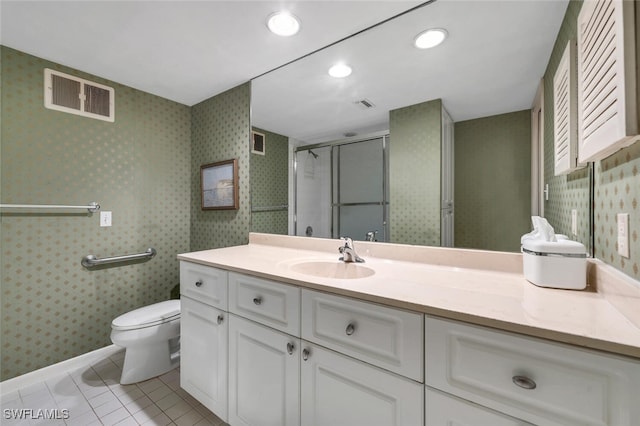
pixel 283 24
pixel 430 38
pixel 340 71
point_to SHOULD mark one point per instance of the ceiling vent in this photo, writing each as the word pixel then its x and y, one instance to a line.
pixel 66 93
pixel 364 104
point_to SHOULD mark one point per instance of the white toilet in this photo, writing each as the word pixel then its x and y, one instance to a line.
pixel 151 338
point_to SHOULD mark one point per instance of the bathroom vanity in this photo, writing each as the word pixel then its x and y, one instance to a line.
pixel 279 332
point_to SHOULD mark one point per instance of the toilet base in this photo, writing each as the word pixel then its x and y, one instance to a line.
pixel 147 361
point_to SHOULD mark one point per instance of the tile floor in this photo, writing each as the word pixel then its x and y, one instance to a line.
pixel 93 396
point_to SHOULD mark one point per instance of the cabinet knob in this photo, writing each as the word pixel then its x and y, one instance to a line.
pixel 350 329
pixel 220 319
pixel 199 283
pixel 290 348
pixel 305 354
pixel 524 382
pixel 257 300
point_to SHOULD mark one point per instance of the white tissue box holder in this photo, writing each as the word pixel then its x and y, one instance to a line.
pixel 555 264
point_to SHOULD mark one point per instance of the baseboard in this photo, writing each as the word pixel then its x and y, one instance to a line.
pixel 51 371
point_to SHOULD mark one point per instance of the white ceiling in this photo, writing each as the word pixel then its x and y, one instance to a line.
pixel 188 51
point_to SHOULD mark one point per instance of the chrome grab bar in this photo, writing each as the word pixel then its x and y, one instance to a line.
pixel 91 260
pixel 92 207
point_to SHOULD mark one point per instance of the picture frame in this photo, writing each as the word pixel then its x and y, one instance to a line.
pixel 258 141
pixel 219 185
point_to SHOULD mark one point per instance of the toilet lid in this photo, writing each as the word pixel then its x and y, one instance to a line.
pixel 148 316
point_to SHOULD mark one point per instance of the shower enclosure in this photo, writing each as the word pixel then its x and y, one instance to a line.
pixel 341 189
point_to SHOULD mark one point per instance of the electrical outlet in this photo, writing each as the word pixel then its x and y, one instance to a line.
pixel 574 222
pixel 623 234
pixel 105 218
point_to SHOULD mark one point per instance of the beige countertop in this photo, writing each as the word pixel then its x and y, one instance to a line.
pixel 479 287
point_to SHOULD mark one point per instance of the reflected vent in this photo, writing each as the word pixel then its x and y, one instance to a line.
pixel 364 104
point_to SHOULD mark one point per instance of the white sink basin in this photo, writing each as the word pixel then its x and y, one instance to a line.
pixel 336 269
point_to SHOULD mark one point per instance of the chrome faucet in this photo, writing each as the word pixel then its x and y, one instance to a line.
pixel 371 236
pixel 349 252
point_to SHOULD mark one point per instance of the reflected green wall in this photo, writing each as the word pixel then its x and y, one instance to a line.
pixel 493 181
pixel 414 173
pixel 269 185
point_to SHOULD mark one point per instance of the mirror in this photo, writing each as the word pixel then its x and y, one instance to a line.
pixel 484 77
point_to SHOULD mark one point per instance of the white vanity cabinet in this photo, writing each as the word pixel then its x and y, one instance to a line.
pixel 339 390
pixel 264 375
pixel 204 334
pixel 531 379
pixel 264 348
pixel 362 363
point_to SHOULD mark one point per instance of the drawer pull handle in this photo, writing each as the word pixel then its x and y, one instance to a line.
pixel 305 354
pixel 290 348
pixel 199 283
pixel 524 382
pixel 220 319
pixel 350 329
pixel 257 300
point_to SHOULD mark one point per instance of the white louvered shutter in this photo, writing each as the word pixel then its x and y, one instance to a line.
pixel 607 99
pixel 565 113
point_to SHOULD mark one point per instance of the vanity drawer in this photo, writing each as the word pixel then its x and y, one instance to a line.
pixel 268 302
pixel 204 284
pixel 386 337
pixel 532 379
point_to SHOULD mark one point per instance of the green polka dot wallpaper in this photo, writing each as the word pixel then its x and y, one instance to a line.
pixel 493 181
pixel 138 168
pixel 220 130
pixel 414 173
pixel 269 185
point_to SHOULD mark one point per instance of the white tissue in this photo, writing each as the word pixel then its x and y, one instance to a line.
pixel 542 230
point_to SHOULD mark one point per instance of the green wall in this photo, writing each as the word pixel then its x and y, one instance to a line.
pixel 493 181
pixel 414 173
pixel 144 168
pixel 137 168
pixel 220 130
pixel 269 185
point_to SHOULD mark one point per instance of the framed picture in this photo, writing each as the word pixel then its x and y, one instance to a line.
pixel 257 143
pixel 220 185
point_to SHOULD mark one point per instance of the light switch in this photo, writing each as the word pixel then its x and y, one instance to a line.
pixel 105 218
pixel 623 234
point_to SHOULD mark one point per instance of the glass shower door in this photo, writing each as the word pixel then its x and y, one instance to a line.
pixel 359 189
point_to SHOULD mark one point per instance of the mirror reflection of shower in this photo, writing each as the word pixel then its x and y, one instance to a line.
pixel 341 189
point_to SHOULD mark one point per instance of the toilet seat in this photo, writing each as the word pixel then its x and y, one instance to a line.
pixel 148 316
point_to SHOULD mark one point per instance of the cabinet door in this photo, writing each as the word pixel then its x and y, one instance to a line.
pixel 204 335
pixel 338 390
pixel 264 375
pixel 445 410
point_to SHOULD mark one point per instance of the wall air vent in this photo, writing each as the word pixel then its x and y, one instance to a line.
pixel 364 104
pixel 66 93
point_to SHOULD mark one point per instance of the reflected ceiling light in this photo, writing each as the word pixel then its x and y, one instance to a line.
pixel 430 38
pixel 283 24
pixel 340 71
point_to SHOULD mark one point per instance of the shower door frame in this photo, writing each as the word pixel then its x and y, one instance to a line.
pixel 335 216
